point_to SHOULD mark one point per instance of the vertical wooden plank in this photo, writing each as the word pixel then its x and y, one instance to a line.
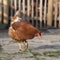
pixel 23 9
pixel 19 7
pixel 12 7
pixel 32 8
pixel 56 11
pixel 41 6
pixel 5 2
pixel 19 3
pixel 45 14
pixel 50 12
pixel 1 10
pixel 59 14
pixel 28 8
pixel 2 16
pixel 23 6
pixel 36 13
pixel 32 15
pixel 15 4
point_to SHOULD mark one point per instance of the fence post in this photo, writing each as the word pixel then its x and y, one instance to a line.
pixel 45 12
pixel 41 7
pixel 19 5
pixel 23 9
pixel 59 13
pixel 32 15
pixel 49 14
pixel 36 13
pixel 15 5
pixel 5 2
pixel 56 11
pixel 28 8
pixel 1 10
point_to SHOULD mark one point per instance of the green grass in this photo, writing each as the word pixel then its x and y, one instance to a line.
pixel 52 53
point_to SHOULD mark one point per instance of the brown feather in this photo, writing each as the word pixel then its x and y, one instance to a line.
pixel 23 30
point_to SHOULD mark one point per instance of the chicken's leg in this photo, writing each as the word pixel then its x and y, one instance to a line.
pixel 23 45
pixel 19 45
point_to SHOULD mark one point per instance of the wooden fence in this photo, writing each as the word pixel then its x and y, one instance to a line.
pixel 41 13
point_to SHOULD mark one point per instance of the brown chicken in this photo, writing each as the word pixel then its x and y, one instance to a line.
pixel 21 30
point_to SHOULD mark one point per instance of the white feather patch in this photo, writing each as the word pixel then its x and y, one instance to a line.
pixel 16 20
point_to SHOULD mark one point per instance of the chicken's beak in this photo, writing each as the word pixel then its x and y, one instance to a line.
pixel 38 35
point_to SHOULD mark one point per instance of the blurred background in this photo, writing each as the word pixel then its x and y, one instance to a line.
pixel 42 14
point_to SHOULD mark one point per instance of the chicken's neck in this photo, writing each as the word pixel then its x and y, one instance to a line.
pixel 17 20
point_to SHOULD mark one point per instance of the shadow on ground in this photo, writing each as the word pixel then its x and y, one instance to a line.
pixel 48 47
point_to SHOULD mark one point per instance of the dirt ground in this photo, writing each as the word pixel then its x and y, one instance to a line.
pixel 46 48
